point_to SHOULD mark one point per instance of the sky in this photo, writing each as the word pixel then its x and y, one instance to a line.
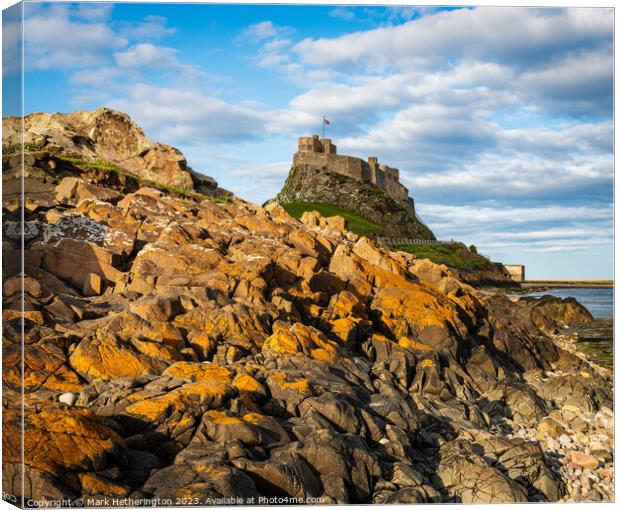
pixel 499 119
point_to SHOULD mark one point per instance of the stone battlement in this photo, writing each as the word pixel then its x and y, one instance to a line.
pixel 323 153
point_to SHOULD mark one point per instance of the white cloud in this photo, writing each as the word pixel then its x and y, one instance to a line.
pixel 188 116
pixel 77 35
pixel 11 44
pixel 513 229
pixel 151 27
pixel 343 13
pixel 263 30
pixel 562 84
pixel 55 38
pixel 92 11
pixel 517 35
pixel 107 75
pixel 579 138
pixel 147 55
pixel 462 216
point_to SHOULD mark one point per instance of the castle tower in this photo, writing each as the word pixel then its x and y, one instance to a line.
pixel 309 144
pixel 314 144
pixel 327 146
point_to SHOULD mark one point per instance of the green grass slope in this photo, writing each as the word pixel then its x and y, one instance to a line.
pixel 355 223
pixel 452 255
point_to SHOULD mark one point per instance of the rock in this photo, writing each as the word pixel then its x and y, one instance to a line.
pixel 550 427
pixel 468 480
pixel 594 495
pixel 92 285
pixel 578 425
pixel 73 190
pixel 565 440
pixel 563 312
pixel 583 460
pixel 104 134
pixel 60 447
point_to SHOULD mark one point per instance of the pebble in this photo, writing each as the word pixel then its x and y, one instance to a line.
pixel 68 398
pixel 582 458
pixel 565 440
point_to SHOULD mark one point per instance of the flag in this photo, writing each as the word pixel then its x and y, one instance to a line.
pixel 326 122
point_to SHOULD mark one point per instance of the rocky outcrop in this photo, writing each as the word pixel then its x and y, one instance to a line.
pixel 309 183
pixel 191 350
pixel 103 135
pixel 492 274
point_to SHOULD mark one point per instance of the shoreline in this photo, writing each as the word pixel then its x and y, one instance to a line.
pixel 574 284
pixel 532 286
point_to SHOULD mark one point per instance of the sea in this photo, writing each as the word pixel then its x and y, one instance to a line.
pixel 599 301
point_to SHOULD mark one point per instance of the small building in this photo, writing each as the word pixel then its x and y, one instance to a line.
pixel 516 272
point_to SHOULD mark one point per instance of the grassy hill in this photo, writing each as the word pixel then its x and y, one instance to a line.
pixel 355 223
pixel 454 255
pixel 366 206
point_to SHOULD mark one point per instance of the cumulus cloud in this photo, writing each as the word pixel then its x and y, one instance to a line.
pixel 516 35
pixel 146 54
pixel 535 229
pixel 188 116
pixel 561 85
pixel 59 37
pixel 77 35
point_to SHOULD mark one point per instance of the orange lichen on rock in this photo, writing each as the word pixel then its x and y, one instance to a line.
pixel 208 394
pixel 107 358
pixel 199 372
pixel 297 385
pixel 408 343
pixel 29 315
pixel 245 383
pixel 300 339
pixel 94 484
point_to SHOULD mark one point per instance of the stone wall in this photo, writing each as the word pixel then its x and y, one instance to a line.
pixel 345 165
pixel 516 272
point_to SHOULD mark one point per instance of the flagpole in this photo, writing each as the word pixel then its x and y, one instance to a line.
pixel 323 127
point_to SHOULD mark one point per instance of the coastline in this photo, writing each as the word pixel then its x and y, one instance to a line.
pixel 574 284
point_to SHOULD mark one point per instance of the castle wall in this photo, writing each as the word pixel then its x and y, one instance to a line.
pixel 345 165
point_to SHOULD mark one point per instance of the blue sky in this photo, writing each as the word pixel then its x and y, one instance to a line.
pixel 500 119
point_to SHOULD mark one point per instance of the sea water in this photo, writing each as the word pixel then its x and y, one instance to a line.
pixel 599 301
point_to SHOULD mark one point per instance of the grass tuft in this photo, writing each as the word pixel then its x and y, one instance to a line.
pixel 106 166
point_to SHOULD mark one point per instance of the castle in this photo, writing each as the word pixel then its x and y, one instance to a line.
pixel 323 153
